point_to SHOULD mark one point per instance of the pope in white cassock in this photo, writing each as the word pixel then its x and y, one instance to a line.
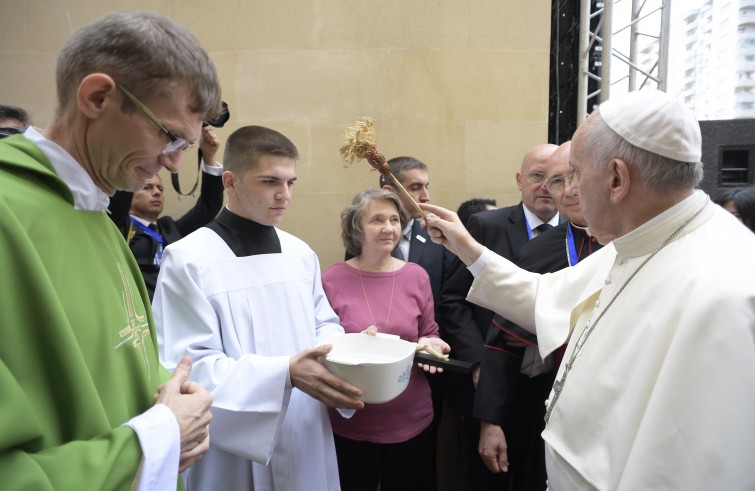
pixel 245 301
pixel 657 386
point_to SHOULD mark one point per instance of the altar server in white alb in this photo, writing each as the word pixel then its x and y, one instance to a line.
pixel 657 386
pixel 244 300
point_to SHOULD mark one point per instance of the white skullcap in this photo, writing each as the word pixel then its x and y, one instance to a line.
pixel 654 121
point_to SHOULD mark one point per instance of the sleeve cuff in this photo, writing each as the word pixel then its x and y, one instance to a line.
pixel 213 170
pixel 160 439
pixel 478 266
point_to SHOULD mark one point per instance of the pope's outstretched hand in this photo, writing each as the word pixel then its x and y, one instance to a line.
pixel 444 227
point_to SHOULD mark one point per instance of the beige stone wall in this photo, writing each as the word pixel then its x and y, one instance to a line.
pixel 460 84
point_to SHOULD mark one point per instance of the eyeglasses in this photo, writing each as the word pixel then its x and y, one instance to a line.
pixel 556 183
pixel 535 177
pixel 176 144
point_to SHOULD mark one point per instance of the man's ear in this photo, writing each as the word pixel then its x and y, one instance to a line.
pixel 96 91
pixel 390 188
pixel 229 182
pixel 619 179
pixel 519 180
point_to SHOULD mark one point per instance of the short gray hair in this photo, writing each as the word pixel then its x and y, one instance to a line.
pixel 143 51
pixel 659 173
pixel 351 218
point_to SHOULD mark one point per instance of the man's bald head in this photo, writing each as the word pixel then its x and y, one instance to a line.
pixel 531 181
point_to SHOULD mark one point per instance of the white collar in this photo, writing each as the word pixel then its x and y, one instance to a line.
pixel 647 237
pixel 141 220
pixel 86 195
pixel 535 220
pixel 407 229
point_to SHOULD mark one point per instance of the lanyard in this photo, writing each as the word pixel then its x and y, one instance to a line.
pixel 148 231
pixel 152 233
pixel 570 247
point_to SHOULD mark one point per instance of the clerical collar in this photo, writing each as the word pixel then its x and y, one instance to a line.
pixel 245 237
pixel 646 238
pixel 244 226
pixel 86 194
pixel 583 229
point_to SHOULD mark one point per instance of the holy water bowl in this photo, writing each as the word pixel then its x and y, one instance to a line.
pixel 378 365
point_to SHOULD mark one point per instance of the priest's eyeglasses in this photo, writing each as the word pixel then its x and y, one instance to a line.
pixel 176 144
pixel 557 183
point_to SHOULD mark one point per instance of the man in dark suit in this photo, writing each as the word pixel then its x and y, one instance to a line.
pixel 514 381
pixel 137 214
pixel 464 325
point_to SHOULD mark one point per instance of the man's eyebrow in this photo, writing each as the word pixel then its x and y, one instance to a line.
pixel 275 178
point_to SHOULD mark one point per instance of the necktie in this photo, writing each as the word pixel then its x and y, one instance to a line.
pixel 159 252
pixel 543 227
pixel 404 244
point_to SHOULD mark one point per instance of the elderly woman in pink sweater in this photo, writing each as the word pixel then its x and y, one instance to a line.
pixel 388 444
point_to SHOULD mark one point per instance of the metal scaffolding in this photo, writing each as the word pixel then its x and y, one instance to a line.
pixel 647 61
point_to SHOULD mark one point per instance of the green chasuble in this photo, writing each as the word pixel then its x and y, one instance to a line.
pixel 78 353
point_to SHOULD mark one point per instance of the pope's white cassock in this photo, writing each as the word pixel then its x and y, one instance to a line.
pixel 240 317
pixel 662 395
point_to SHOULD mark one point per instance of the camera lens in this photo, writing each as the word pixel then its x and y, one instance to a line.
pixel 219 120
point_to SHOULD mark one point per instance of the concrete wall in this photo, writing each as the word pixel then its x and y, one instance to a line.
pixel 460 84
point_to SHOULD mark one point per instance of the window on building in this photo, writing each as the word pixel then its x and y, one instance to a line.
pixel 735 166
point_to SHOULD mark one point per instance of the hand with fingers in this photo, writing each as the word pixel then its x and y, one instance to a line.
pixel 437 347
pixel 493 448
pixel 209 143
pixel 445 228
pixel 311 377
pixel 190 403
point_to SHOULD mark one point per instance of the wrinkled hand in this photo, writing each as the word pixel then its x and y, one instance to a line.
pixel 438 345
pixel 445 228
pixel 190 403
pixel 492 447
pixel 311 377
pixel 209 143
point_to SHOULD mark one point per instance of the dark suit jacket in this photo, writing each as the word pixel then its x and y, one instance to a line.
pixel 501 363
pixel 431 256
pixel 504 395
pixel 144 247
pixel 465 325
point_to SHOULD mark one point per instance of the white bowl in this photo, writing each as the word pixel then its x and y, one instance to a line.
pixel 378 365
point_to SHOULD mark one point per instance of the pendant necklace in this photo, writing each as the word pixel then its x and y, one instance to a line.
pixel 558 385
pixel 364 292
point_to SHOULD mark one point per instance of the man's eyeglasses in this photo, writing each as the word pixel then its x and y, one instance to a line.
pixel 535 177
pixel 556 183
pixel 176 144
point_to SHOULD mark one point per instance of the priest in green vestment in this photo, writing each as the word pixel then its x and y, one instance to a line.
pixel 85 402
